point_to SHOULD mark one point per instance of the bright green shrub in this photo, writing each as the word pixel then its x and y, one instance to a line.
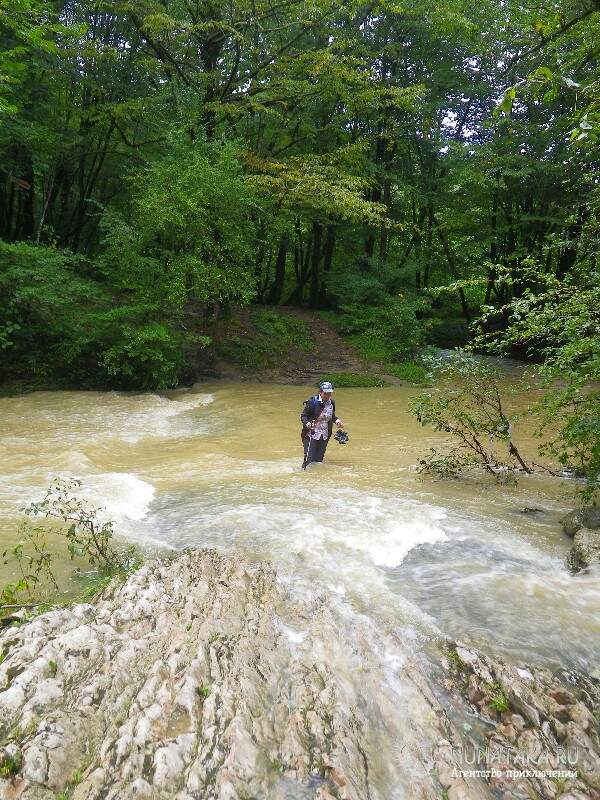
pixel 388 332
pixel 285 329
pixel 409 371
pixel 190 234
pixel 353 380
pixel 59 327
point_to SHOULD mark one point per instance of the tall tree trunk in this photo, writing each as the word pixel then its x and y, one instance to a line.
pixel 276 291
pixel 428 248
pixel 328 251
pixel 568 253
pixel 45 201
pixel 303 272
pixel 417 245
pixel 453 268
pixel 383 233
pixel 317 255
pixel 493 250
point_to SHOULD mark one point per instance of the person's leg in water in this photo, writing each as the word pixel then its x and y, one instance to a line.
pixel 320 450
pixel 316 451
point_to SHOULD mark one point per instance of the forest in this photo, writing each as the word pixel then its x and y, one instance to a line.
pixel 423 172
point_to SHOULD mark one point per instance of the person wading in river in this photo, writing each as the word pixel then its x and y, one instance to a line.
pixel 318 418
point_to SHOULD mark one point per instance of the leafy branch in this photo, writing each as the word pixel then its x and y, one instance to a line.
pixel 468 405
pixel 87 536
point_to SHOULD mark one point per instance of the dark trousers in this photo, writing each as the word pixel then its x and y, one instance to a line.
pixel 316 451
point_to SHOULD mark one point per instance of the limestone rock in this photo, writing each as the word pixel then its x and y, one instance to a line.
pixel 585 550
pixel 204 677
pixel 201 677
pixel 547 719
pixel 588 517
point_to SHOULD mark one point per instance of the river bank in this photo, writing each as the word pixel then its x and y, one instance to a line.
pixel 204 676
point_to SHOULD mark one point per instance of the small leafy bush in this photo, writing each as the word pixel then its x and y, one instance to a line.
pixel 284 329
pixel 10 764
pixel 410 371
pixel 388 332
pixel 147 356
pixel 498 699
pixel 345 288
pixel 85 533
pixel 267 343
pixel 353 380
pixel 467 404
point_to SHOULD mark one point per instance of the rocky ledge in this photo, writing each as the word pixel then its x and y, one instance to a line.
pixel 202 677
pixel 529 721
pixel 583 526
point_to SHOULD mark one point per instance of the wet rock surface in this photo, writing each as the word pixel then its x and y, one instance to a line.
pixel 529 721
pixel 585 551
pixel 588 517
pixel 202 677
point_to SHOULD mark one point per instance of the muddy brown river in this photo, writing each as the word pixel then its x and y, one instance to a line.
pixel 219 465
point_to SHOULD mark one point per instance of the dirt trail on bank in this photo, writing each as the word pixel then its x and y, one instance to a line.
pixel 332 354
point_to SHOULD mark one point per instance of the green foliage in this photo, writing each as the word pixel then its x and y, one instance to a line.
pixel 348 380
pixel 190 234
pixel 410 371
pixel 466 403
pixel 95 584
pixel 160 161
pixel 88 535
pixel 559 319
pixel 447 332
pixel 57 326
pixel 85 533
pixel 33 560
pixel 390 332
pixel 203 691
pixel 285 329
pixel 445 465
pixel 349 287
pixel 10 764
pixel 149 356
pixel 498 699
pixel 269 340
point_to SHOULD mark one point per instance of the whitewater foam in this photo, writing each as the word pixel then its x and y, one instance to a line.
pixel 123 495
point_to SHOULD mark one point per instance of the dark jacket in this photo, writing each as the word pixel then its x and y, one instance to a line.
pixel 312 411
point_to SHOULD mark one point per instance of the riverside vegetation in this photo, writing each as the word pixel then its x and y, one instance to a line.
pixel 410 171
pixel 88 539
pixel 179 181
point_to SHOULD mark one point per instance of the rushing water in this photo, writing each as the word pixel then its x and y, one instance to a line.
pixel 219 466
